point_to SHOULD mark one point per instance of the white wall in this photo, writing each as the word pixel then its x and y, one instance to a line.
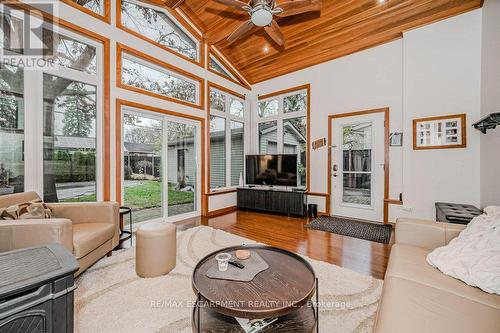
pixel 442 75
pixel 490 102
pixel 434 70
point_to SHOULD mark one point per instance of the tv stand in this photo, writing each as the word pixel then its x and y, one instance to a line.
pixel 272 200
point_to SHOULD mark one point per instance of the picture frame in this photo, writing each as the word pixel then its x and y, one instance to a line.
pixel 442 132
pixel 396 139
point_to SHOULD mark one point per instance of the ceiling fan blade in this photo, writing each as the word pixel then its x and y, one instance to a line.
pixel 296 7
pixel 240 31
pixel 274 31
pixel 173 3
pixel 236 4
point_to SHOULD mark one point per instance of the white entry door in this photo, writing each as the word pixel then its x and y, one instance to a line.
pixel 358 167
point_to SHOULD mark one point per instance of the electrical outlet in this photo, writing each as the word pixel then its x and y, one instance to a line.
pixel 407 208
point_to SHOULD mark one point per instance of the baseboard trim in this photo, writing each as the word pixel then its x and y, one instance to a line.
pixel 222 211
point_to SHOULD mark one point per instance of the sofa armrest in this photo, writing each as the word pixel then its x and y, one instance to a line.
pixel 17 234
pixel 88 212
pixel 426 234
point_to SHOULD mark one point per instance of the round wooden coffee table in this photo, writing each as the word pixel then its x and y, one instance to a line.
pixel 282 291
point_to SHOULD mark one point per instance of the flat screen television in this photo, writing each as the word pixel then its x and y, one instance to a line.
pixel 275 170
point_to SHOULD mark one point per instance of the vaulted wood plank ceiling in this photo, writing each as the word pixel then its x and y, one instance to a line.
pixel 341 28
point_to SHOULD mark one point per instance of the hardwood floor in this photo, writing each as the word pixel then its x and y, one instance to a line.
pixel 362 256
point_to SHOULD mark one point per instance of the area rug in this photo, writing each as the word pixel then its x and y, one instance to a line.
pixel 110 297
pixel 380 233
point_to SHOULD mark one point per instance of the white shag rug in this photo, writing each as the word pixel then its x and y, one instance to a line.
pixel 110 297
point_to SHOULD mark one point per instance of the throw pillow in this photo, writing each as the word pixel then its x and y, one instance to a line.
pixel 35 209
pixel 492 210
pixel 474 256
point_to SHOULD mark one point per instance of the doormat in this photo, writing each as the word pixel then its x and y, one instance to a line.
pixel 380 233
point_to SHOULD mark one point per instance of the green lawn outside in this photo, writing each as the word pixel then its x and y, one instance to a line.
pixel 148 195
pixel 145 195
pixel 83 198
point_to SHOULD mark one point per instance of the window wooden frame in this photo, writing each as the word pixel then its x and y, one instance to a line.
pixel 121 48
pixel 306 87
pixel 182 23
pixel 228 118
pixel 120 103
pixel 240 80
pixel 107 10
pixel 106 74
pixel 463 127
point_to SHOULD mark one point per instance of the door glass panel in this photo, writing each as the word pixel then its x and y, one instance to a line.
pixel 357 188
pixel 69 140
pixel 11 130
pixel 142 147
pixel 268 137
pixel 181 172
pixel 357 160
pixel 357 163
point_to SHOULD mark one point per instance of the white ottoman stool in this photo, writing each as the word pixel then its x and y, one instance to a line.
pixel 155 252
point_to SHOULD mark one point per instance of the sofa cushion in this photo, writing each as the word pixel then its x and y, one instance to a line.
pixel 34 209
pixel 17 198
pixel 412 307
pixel 409 262
pixel 89 236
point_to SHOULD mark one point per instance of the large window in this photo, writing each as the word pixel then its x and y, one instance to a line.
pixel 96 6
pixel 159 26
pixel 50 134
pixel 142 166
pixel 69 139
pixel 138 73
pixel 227 138
pixel 11 130
pixel 160 165
pixel 282 128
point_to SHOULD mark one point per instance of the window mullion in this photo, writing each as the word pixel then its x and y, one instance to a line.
pixel 33 131
pixel 279 142
pixel 228 144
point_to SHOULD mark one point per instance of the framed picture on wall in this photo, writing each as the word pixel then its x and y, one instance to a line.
pixel 442 132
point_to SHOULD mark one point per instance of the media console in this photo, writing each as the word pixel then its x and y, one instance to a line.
pixel 272 200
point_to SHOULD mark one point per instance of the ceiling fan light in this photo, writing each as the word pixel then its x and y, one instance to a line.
pixel 262 17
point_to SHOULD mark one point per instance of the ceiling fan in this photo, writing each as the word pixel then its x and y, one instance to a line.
pixel 262 14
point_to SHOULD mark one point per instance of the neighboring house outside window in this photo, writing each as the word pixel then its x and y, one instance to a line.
pixel 227 139
pixel 282 128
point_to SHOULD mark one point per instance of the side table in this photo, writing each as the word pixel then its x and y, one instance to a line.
pixel 124 234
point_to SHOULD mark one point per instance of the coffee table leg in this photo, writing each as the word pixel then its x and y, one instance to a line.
pixel 198 305
pixel 317 305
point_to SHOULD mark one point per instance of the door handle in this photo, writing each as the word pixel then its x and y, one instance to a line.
pixel 334 175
